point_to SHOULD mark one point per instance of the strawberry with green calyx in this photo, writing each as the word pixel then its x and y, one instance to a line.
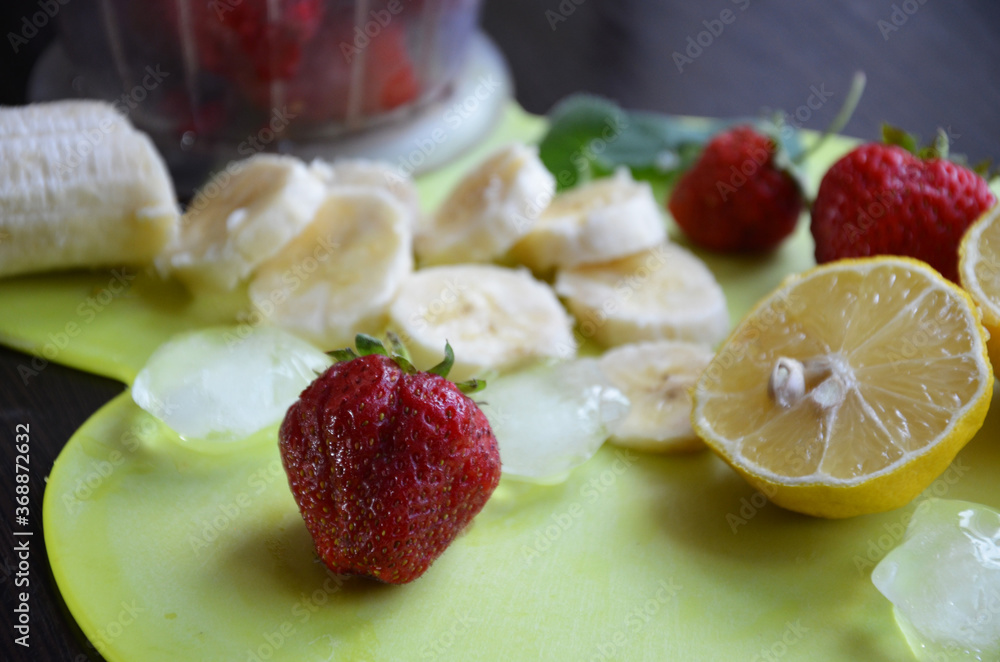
pixel 736 198
pixel 744 193
pixel 893 198
pixel 387 464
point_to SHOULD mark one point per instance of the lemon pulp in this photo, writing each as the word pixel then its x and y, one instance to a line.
pixel 849 388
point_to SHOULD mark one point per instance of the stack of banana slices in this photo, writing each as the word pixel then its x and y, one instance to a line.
pixel 505 269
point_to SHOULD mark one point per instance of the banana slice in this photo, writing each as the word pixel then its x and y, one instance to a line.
pixel 489 209
pixel 655 377
pixel 80 187
pixel 240 218
pixel 664 293
pixel 339 275
pixel 365 173
pixel 602 220
pixel 495 318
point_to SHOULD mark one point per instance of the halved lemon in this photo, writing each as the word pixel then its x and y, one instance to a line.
pixel 979 271
pixel 850 388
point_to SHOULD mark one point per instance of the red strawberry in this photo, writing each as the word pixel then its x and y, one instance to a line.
pixel 735 199
pixel 387 464
pixel 253 38
pixel 881 199
pixel 321 89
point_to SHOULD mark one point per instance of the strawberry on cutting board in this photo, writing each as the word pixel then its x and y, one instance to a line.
pixel 736 198
pixel 387 464
pixel 883 199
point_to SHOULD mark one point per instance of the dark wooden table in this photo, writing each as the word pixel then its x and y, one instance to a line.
pixel 930 64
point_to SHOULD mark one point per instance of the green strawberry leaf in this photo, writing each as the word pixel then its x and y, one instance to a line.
pixel 368 345
pixel 341 355
pixel 893 135
pixel 399 350
pixel 444 367
pixel 404 364
pixel 471 386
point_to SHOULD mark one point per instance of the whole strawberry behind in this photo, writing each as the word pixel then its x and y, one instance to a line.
pixel 885 199
pixel 387 464
pixel 744 193
pixel 737 197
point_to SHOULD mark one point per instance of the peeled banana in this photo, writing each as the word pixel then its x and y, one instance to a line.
pixel 603 219
pixel 339 275
pixel 80 188
pixel 489 210
pixel 655 377
pixel 664 293
pixel 495 318
pixel 243 216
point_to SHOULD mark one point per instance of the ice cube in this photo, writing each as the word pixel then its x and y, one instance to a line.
pixel 222 384
pixel 551 418
pixel 944 581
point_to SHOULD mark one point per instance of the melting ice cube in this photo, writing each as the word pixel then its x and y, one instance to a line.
pixel 225 383
pixel 944 581
pixel 549 419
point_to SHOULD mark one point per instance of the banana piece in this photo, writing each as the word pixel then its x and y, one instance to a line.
pixel 489 210
pixel 339 275
pixel 495 318
pixel 655 377
pixel 244 215
pixel 601 220
pixel 371 174
pixel 664 293
pixel 80 187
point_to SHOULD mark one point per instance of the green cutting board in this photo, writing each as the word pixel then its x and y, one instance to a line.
pixel 163 552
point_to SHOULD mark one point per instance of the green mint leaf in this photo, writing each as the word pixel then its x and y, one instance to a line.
pixel 591 137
